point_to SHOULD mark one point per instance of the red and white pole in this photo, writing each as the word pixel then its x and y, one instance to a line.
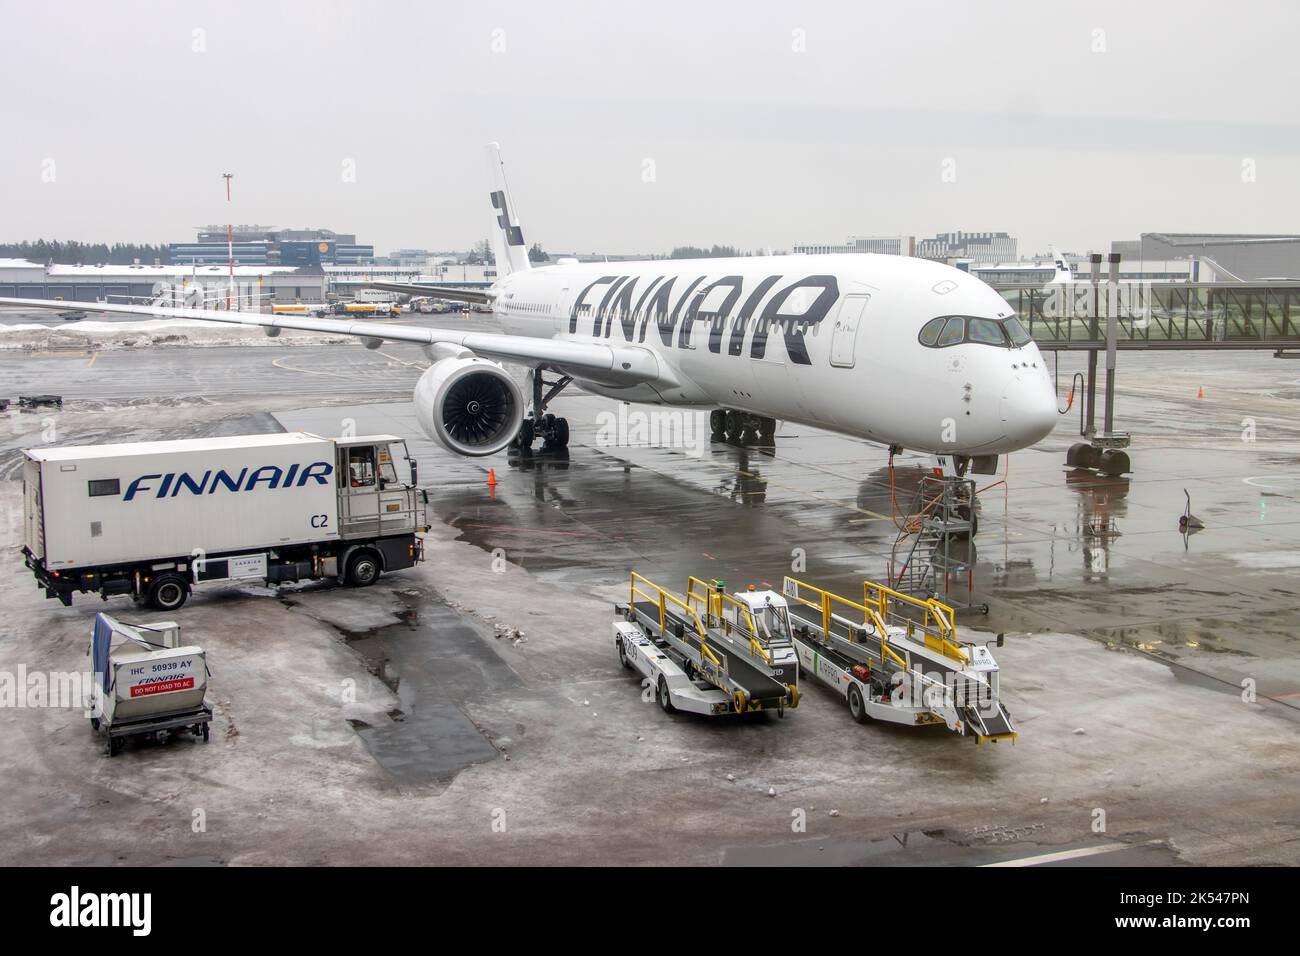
pixel 230 241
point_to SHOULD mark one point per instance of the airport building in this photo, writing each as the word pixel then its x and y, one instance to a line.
pixel 264 246
pixel 975 246
pixel 1230 256
pixel 886 245
pixel 255 285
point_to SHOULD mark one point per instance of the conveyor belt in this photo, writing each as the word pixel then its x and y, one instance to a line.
pixel 757 685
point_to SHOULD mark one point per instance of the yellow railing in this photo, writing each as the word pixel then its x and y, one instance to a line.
pixel 825 602
pixel 661 598
pixel 714 600
pixel 935 615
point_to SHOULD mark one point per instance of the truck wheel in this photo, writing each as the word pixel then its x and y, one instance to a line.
pixel 168 592
pixel 665 699
pixel 622 656
pixel 856 707
pixel 363 570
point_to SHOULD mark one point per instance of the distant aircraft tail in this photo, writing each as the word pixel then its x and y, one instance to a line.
pixel 507 237
pixel 1063 271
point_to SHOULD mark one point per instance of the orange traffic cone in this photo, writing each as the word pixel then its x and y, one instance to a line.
pixel 492 477
pixel 1200 392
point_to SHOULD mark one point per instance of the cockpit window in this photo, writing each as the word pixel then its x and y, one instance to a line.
pixel 1019 336
pixel 1002 333
pixel 985 331
pixel 953 332
pixel 930 331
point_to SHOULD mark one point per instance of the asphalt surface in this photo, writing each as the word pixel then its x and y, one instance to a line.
pixel 486 681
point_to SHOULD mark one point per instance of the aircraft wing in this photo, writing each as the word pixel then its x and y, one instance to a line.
pixel 473 296
pixel 612 364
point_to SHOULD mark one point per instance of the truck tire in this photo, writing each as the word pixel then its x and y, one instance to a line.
pixel 363 569
pixel 665 699
pixel 622 656
pixel 168 592
pixel 856 707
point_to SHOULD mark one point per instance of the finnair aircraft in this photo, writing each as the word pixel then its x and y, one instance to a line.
pixel 901 351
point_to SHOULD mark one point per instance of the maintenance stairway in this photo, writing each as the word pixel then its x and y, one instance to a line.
pixel 710 652
pixel 943 513
pixel 897 658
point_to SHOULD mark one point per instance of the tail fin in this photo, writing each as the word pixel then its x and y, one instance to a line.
pixel 507 237
pixel 1063 271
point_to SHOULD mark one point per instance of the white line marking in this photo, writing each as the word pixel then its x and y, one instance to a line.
pixel 1070 854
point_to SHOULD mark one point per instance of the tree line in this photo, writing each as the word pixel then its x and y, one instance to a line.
pixel 72 252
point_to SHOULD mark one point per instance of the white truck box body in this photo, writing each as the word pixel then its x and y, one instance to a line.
pixel 170 498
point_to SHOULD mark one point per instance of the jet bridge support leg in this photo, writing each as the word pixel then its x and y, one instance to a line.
pixel 1102 452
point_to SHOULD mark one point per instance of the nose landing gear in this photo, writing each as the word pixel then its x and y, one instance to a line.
pixel 741 428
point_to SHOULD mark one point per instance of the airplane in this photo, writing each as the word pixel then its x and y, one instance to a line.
pixel 904 352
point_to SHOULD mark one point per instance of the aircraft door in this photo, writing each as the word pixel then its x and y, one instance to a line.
pixel 844 336
pixel 563 306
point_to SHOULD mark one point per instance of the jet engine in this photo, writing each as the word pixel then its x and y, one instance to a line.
pixel 470 405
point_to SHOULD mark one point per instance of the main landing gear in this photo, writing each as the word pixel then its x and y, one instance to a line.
pixel 741 428
pixel 539 423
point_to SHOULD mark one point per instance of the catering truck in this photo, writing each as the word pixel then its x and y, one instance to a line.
pixel 154 519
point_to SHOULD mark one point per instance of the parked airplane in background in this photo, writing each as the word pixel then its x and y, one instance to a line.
pixel 897 350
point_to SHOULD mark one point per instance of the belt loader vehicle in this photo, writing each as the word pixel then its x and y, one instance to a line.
pixel 146 683
pixel 153 519
pixel 897 658
pixel 711 653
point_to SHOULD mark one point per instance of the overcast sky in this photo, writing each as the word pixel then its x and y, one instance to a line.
pixel 633 127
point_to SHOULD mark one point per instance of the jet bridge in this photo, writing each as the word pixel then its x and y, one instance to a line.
pixel 708 652
pixel 897 658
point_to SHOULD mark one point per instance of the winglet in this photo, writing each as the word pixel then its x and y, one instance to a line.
pixel 507 237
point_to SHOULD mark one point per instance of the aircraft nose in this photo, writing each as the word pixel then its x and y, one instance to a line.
pixel 1029 411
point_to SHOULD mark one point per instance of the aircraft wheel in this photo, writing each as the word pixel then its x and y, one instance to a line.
pixel 1074 457
pixel 735 425
pixel 718 424
pixel 560 433
pixel 527 432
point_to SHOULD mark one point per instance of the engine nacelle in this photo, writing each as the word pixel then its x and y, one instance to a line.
pixel 470 405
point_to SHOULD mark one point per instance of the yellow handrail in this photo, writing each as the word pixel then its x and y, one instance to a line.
pixel 934 613
pixel 713 600
pixel 662 598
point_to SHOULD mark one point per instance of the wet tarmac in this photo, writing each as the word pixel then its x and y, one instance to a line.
pixel 1057 550
pixel 465 722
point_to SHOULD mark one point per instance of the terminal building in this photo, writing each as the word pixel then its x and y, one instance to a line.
pixel 885 245
pixel 972 246
pixel 255 286
pixel 976 246
pixel 1247 256
pixel 264 246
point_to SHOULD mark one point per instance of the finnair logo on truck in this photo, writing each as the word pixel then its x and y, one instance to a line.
pixel 270 476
